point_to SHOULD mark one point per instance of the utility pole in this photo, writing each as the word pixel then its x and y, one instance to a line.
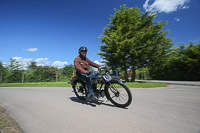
pixel 0 77
pixel 56 76
pixel 23 76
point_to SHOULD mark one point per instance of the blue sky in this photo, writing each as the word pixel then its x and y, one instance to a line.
pixel 51 31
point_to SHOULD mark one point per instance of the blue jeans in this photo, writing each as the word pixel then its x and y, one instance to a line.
pixel 88 80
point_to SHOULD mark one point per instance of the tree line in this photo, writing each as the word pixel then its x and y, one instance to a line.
pixel 182 63
pixel 13 73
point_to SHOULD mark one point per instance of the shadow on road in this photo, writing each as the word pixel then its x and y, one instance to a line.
pixel 93 104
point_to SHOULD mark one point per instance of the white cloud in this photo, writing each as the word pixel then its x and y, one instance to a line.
pixel 177 19
pixel 31 49
pixel 42 61
pixel 17 58
pixel 59 64
pixel 146 5
pixel 20 59
pixel 23 61
pixel 185 7
pixel 1 59
pixel 96 61
pixel 196 41
pixel 99 62
pixel 166 6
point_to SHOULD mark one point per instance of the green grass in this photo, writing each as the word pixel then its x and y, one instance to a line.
pixel 145 85
pixel 4 122
pixel 36 84
pixel 65 84
pixel 7 123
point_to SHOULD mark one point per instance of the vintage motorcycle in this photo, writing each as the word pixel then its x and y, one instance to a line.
pixel 113 88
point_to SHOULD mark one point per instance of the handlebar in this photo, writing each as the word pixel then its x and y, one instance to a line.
pixel 104 68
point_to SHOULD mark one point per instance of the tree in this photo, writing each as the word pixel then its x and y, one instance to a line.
pixel 32 65
pixel 183 63
pixel 14 65
pixel 3 72
pixel 66 73
pixel 43 74
pixel 14 71
pixel 133 40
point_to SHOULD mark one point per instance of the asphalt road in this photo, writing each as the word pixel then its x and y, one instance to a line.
pixel 174 109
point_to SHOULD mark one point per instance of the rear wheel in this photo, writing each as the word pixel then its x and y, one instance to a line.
pixel 80 90
pixel 118 93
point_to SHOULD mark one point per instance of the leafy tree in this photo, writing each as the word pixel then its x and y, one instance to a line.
pixel 66 73
pixel 133 40
pixel 183 63
pixel 43 74
pixel 14 71
pixel 3 72
pixel 14 65
pixel 32 65
pixel 186 63
pixel 31 68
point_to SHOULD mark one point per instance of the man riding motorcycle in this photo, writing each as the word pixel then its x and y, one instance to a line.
pixel 82 65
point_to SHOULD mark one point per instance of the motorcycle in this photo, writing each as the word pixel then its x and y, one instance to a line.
pixel 114 89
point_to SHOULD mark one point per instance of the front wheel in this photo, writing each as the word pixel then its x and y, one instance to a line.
pixel 118 93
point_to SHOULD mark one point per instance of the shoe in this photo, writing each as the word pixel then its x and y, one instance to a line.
pixel 102 93
pixel 98 95
pixel 92 97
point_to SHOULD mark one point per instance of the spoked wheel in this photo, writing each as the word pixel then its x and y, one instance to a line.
pixel 119 94
pixel 80 90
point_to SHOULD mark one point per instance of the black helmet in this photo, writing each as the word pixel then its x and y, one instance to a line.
pixel 82 49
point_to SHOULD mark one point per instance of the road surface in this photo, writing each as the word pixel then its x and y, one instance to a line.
pixel 173 109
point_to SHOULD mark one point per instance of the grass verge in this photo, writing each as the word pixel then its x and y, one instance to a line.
pixel 145 84
pixel 8 124
pixel 36 84
pixel 65 84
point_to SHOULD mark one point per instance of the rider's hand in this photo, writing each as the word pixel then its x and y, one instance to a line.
pixel 88 72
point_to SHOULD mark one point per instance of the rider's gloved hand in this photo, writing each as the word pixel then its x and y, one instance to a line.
pixel 88 72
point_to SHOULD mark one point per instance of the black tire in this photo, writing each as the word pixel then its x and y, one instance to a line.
pixel 80 90
pixel 117 91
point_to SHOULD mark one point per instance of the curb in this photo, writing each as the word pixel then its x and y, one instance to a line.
pixel 188 83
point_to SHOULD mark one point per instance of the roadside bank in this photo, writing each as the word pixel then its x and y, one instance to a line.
pixel 7 123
